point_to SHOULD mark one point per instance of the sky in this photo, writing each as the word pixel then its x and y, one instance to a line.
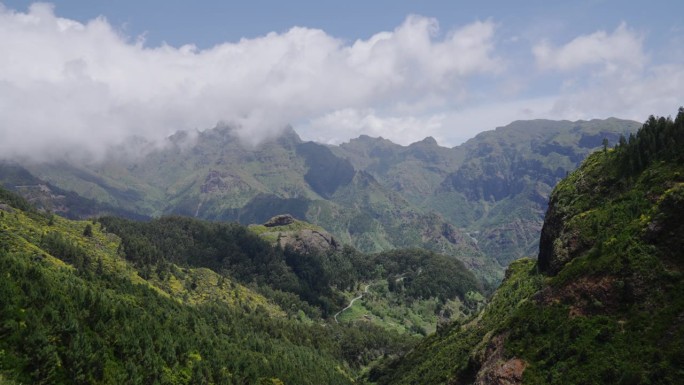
pixel 86 75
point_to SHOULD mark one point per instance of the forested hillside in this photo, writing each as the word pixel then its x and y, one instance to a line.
pixel 178 300
pixel 604 303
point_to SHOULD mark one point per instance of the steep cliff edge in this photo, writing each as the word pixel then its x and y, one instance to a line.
pixel 605 301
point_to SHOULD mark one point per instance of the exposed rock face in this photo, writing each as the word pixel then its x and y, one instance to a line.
pixel 308 241
pixel 280 220
pixel 563 237
pixel 589 295
pixel 496 370
pixel 223 182
pixel 300 235
pixel 553 225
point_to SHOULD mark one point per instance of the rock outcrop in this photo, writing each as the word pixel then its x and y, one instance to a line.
pixel 280 220
pixel 303 237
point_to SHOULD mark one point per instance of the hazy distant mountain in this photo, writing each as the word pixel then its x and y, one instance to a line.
pixel 496 185
pixel 482 201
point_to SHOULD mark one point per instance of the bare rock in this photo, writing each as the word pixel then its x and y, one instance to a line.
pixel 496 369
pixel 308 241
pixel 280 220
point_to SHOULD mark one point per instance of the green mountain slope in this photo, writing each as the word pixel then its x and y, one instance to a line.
pixel 49 198
pixel 605 301
pixel 501 191
pixel 414 171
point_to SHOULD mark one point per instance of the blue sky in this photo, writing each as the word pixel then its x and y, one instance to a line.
pixel 398 69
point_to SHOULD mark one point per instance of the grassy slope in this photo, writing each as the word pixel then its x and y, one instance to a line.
pixel 451 353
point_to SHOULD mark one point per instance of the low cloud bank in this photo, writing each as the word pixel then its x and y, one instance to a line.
pixel 67 86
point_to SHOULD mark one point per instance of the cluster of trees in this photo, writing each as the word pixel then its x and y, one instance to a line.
pixel 94 325
pixel 658 139
pixel 423 274
pixel 57 245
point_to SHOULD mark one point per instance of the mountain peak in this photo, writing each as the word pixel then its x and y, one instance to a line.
pixel 429 141
pixel 289 136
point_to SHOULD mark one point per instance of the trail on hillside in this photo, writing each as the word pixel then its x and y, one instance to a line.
pixel 351 303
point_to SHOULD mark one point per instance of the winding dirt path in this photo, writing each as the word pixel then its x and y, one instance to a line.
pixel 351 303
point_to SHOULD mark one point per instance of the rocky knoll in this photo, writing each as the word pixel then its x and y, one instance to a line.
pixel 286 231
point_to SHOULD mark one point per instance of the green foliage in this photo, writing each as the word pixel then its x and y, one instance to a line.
pixel 238 252
pixel 15 200
pixel 422 274
pixel 228 248
pixel 69 251
pixel 88 230
pixel 658 139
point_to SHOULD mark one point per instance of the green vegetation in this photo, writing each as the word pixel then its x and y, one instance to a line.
pixel 177 300
pixel 604 303
pixel 450 355
pixel 317 279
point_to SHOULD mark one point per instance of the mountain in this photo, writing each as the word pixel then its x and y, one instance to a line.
pixel 214 176
pixel 494 186
pixel 508 175
pixel 49 198
pixel 415 171
pixel 604 302
pixel 481 202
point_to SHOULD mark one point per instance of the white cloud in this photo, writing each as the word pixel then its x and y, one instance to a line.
pixel 611 74
pixel 66 85
pixel 622 48
pixel 655 92
pixel 340 125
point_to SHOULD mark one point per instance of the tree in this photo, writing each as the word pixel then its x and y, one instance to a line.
pixel 605 144
pixel 88 231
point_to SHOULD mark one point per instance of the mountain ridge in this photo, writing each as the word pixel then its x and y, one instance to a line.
pixel 390 191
